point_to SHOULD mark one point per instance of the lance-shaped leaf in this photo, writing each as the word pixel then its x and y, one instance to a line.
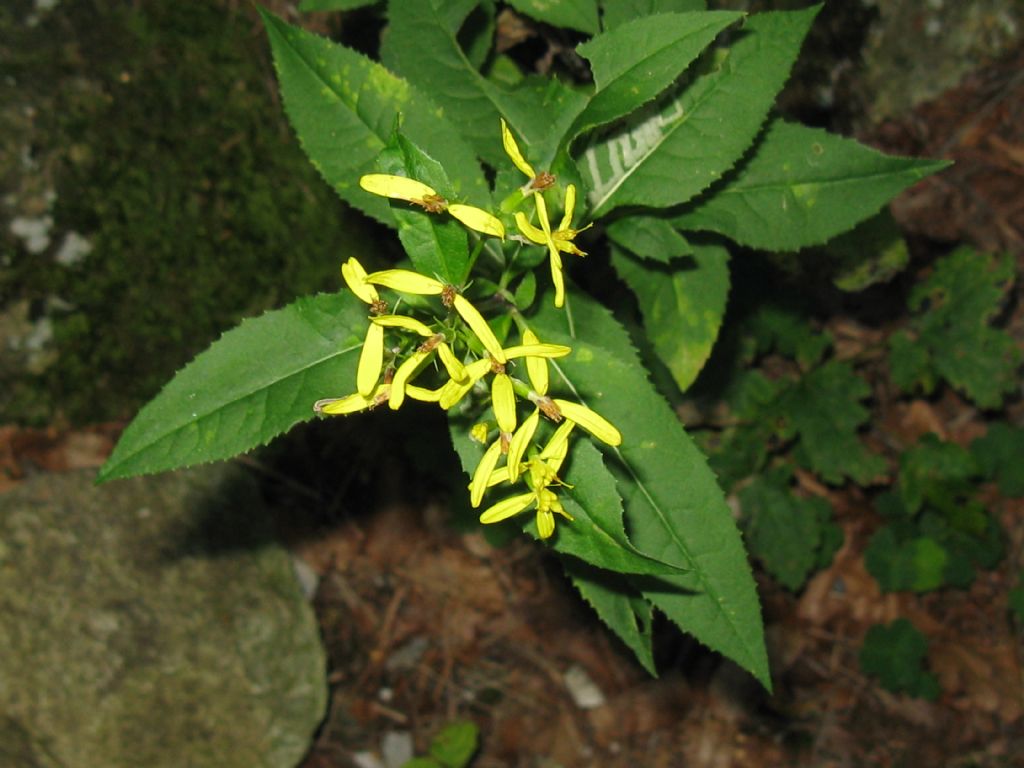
pixel 619 605
pixel 801 186
pixel 255 382
pixel 436 243
pixel 638 60
pixel 575 14
pixel 596 534
pixel 617 12
pixel 675 148
pixel 682 305
pixel 422 45
pixel 674 509
pixel 343 108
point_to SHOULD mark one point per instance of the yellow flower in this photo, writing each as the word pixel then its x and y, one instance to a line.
pixel 371 358
pixel 557 241
pixel 542 472
pixel 418 193
pixel 355 278
pixel 538 181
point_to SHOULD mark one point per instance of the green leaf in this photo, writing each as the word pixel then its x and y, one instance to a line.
pixel 801 186
pixel 649 237
pixel 455 744
pixel 783 531
pixel 896 654
pixel 823 410
pixel 934 471
pixel 422 45
pixel 333 5
pixel 785 330
pixel 257 381
pixel 437 244
pixel 343 108
pixel 617 12
pixel 951 326
pixel 580 15
pixel 672 150
pixel 917 563
pixel 639 59
pixel 682 305
pixel 674 509
pixel 618 605
pixel 1000 456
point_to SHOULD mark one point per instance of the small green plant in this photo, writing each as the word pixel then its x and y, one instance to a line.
pixel 452 747
pixel 498 184
pixel 937 531
pixel 896 655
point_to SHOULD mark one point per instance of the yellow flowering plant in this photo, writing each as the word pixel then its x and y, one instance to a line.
pixel 525 210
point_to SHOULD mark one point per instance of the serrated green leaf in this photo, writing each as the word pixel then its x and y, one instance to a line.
pixel 639 59
pixel 422 45
pixel 823 409
pixel 455 744
pixel 785 330
pixel 896 654
pixel 953 310
pixel 649 237
pixel 343 108
pixel 596 534
pixel 801 186
pixel 1000 456
pixel 618 605
pixel 580 15
pixel 917 563
pixel 934 471
pixel 255 382
pixel 437 245
pixel 671 151
pixel 333 5
pixel 617 12
pixel 682 305
pixel 783 531
pixel 674 509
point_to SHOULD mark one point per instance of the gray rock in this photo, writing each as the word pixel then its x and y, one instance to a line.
pixel 151 622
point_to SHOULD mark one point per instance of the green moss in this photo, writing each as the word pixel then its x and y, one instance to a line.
pixel 173 159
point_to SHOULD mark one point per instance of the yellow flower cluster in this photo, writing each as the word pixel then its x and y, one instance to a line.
pixel 467 350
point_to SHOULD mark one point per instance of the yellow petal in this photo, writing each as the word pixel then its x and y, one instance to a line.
pixel 542 216
pixel 519 443
pixel 512 150
pixel 398 187
pixel 479 327
pixel 503 400
pixel 477 219
pixel 570 204
pixel 337 406
pixel 556 277
pixel 506 508
pixel 355 278
pixel 456 370
pixel 498 476
pixel 407 281
pixel 537 350
pixel 545 523
pixel 371 359
pixel 594 423
pixel 536 367
pixel 453 391
pixel 402 376
pixel 422 393
pixel 529 231
pixel 483 472
pixel 402 321
pixel 558 445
